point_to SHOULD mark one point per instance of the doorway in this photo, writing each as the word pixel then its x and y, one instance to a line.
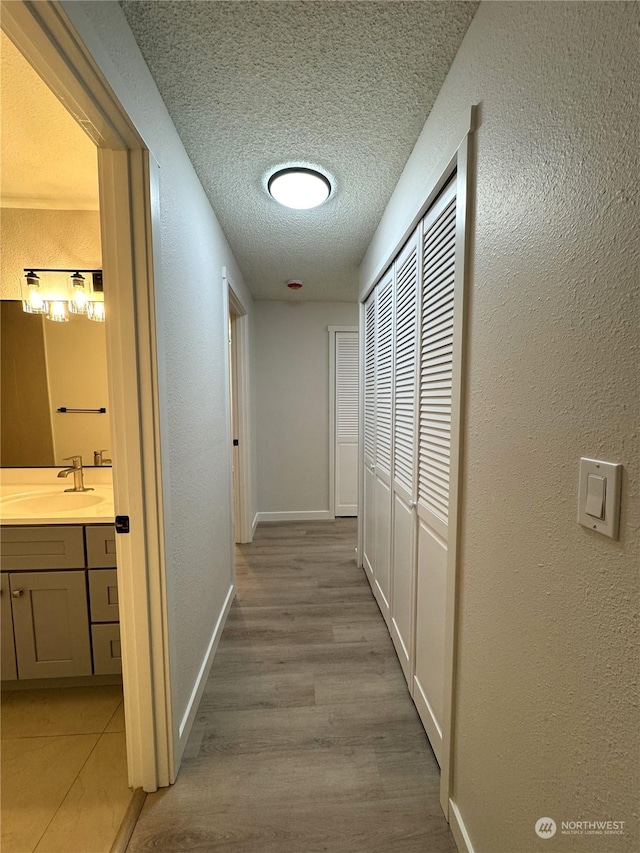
pixel 240 423
pixel 127 180
pixel 344 380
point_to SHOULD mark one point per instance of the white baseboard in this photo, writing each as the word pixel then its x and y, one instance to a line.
pixel 198 688
pixel 310 515
pixel 459 830
pixel 254 525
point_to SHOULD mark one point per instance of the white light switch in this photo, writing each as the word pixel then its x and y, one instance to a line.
pixel 599 496
pixel 596 492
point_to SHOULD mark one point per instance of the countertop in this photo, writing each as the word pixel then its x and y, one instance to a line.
pixel 16 483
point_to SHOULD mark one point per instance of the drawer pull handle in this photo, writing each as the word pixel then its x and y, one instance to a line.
pixel 16 593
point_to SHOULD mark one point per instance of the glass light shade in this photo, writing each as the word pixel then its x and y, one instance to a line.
pixel 78 302
pixel 299 188
pixel 95 312
pixel 32 299
pixel 58 312
pixel 34 303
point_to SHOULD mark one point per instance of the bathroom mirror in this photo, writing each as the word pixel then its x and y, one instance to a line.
pixel 46 366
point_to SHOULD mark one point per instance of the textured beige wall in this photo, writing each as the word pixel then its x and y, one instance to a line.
pixel 192 331
pixel 60 239
pixel 546 719
pixel 292 402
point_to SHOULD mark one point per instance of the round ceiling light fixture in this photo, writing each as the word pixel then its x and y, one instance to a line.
pixel 294 284
pixel 299 187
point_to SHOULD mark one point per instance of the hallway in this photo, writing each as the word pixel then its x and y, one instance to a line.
pixel 306 738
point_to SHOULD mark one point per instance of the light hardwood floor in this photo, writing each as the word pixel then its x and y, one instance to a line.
pixel 306 738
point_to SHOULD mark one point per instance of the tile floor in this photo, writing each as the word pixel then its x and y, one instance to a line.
pixel 63 769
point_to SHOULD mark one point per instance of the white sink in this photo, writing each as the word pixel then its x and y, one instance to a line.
pixel 42 503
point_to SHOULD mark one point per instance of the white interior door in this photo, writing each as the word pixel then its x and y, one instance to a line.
pixel 346 365
pixel 384 443
pixel 404 452
pixel 369 432
pixel 434 452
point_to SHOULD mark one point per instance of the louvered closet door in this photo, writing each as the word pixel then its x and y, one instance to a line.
pixel 434 446
pixel 384 444
pixel 369 429
pixel 346 438
pixel 404 451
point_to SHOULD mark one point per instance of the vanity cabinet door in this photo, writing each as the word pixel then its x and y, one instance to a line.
pixel 8 661
pixel 51 624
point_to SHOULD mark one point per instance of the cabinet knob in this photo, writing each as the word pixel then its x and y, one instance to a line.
pixel 413 504
pixel 16 593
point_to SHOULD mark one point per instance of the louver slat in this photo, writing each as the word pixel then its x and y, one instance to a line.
pixel 436 362
pixel 370 378
pixel 405 367
pixel 384 362
pixel 346 386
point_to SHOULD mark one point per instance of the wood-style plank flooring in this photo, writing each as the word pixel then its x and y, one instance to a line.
pixel 306 738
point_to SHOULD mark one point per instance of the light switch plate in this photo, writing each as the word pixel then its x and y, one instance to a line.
pixel 612 473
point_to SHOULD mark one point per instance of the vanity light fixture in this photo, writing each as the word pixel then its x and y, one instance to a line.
pixel 33 303
pixel 79 294
pixel 299 187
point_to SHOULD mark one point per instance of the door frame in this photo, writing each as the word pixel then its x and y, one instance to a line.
pixel 332 411
pixel 129 213
pixel 245 525
pixel 460 162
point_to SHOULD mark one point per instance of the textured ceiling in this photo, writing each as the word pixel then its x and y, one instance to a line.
pixel 346 85
pixel 47 159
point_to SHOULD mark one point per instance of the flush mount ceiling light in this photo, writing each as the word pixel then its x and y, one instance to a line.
pixel 299 187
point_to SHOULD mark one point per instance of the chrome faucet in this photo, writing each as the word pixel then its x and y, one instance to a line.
pixel 98 458
pixel 78 474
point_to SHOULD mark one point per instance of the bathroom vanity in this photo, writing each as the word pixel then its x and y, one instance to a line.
pixel 59 589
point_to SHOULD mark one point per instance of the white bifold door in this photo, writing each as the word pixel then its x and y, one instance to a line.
pixel 434 453
pixel 407 269
pixel 409 352
pixel 377 447
pixel 369 433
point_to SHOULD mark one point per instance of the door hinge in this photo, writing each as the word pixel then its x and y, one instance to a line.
pixel 122 524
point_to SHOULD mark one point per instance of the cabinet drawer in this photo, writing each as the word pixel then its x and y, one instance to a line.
pixel 101 546
pixel 103 594
pixel 107 654
pixel 41 548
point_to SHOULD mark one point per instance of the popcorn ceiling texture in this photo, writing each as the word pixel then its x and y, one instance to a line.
pixel 251 85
